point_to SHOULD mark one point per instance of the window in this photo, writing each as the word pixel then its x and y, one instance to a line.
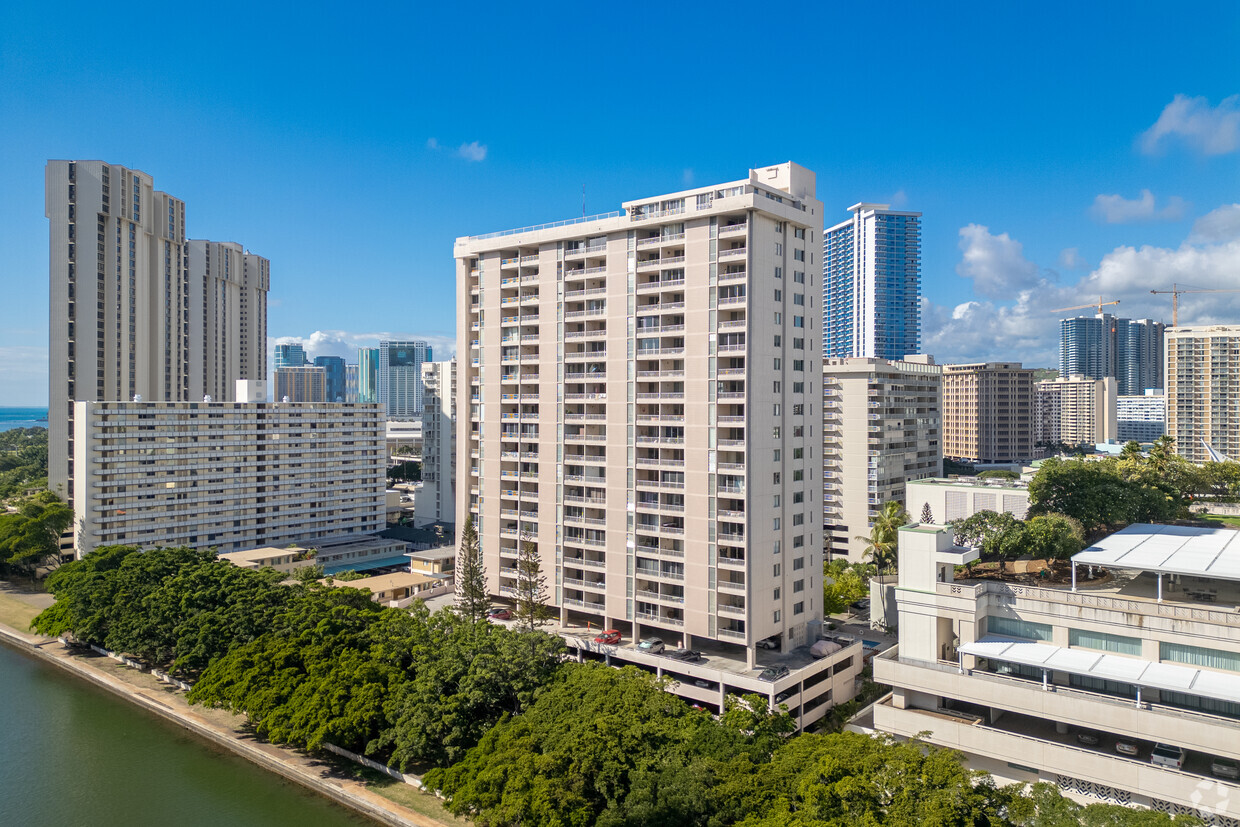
pixel 779 226
pixel 777 501
pixel 777 388
pixel 779 272
pixel 798 321
pixel 775 547
pixel 798 387
pixel 776 570
pixel 798 344
pixel 798 410
pixel 775 478
pixel 779 363
pixel 798 586
pixel 798 497
pixel 779 317
pixel 776 409
pixel 1199 656
pixel 798 232
pixel 776 452
pixel 798 608
pixel 776 594
pixel 798 364
pixel 798 276
pixel 777 615
pixel 798 430
pixel 799 299
pixel 779 249
pixel 779 340
pixel 1105 642
pixel 798 255
pixel 798 541
pixel 798 519
pixel 797 452
pixel 779 295
pixel 798 564
pixel 1014 627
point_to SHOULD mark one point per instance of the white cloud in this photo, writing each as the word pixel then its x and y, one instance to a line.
pixel 1070 259
pixel 1209 130
pixel 1116 209
pixel 23 375
pixel 472 151
pixel 995 263
pixel 345 344
pixel 899 200
pixel 687 177
pixel 432 143
pixel 1024 328
pixel 1222 224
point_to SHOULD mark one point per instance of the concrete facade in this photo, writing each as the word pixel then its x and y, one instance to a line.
pixel 1074 410
pixel 227 317
pixel 398 384
pixel 956 499
pixel 436 501
pixel 988 412
pixel 882 426
pixel 638 397
pixel 227 475
pixel 1141 418
pixel 1203 390
pixel 307 383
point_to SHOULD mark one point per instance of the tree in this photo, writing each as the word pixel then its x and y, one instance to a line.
pixel 927 516
pixel 1051 536
pixel 30 538
pixel 843 582
pixel 998 474
pixel 531 609
pixel 472 600
pixel 881 544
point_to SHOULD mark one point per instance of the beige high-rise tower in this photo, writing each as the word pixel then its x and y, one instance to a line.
pixel 1203 391
pixel 227 317
pixel 640 397
pixel 988 412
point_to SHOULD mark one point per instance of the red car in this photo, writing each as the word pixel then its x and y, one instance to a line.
pixel 611 636
pixel 499 613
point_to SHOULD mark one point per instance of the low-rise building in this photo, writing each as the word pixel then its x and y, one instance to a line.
pixel 287 560
pixel 351 552
pixel 226 475
pixel 397 590
pixel 961 497
pixel 1076 682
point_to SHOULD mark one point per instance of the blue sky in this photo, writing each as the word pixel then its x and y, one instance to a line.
pixel 352 150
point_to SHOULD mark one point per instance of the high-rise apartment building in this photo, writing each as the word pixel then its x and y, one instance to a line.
pixel 227 317
pixel 1074 410
pixel 638 396
pixel 290 356
pixel 1103 345
pixel 399 378
pixel 881 428
pixel 307 383
pixel 871 284
pixel 1203 391
pixel 334 376
pixel 368 374
pixel 436 501
pixel 119 297
pixel 228 475
pixel 988 412
pixel 350 383
pixel 1141 418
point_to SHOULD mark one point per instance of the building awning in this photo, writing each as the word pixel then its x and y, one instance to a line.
pixel 1168 549
pixel 1220 686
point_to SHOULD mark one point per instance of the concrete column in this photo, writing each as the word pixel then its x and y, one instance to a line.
pixel 751 655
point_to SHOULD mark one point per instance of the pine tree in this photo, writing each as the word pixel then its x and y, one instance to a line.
pixel 472 601
pixel 531 610
pixel 927 516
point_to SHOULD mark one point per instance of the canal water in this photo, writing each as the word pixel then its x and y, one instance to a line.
pixel 72 754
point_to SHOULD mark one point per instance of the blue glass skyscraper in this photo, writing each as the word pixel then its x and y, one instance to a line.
pixel 334 368
pixel 871 284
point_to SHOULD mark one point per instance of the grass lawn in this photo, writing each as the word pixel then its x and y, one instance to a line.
pixel 1219 520
pixel 16 613
pixel 401 793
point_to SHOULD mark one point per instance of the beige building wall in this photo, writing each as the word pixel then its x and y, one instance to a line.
pixel 956 499
pixel 638 396
pixel 226 475
pixel 1075 410
pixel 881 428
pixel 304 384
pixel 436 500
pixel 988 412
pixel 227 318
pixel 1203 390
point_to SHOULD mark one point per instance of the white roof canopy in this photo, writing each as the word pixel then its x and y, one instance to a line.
pixel 1221 686
pixel 1169 549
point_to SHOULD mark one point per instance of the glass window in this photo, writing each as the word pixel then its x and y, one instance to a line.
pixel 1107 643
pixel 1015 627
pixel 1199 656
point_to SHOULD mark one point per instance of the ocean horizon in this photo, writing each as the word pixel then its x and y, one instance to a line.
pixel 22 418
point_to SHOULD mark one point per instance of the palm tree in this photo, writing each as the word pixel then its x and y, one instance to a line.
pixel 881 545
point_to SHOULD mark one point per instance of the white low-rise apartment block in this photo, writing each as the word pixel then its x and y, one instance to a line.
pixel 961 497
pixel 1123 688
pixel 227 475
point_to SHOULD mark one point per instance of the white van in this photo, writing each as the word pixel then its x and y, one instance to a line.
pixel 1165 755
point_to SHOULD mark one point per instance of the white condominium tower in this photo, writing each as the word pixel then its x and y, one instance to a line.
pixel 1203 391
pixel 135 313
pixel 399 378
pixel 227 317
pixel 639 397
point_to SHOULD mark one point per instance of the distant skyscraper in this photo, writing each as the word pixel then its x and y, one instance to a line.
pixel 350 383
pixel 399 385
pixel 306 383
pixel 368 374
pixel 227 318
pixel 290 356
pixel 1103 345
pixel 436 502
pixel 871 284
pixel 119 290
pixel 334 368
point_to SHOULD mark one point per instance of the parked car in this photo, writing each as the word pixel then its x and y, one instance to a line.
pixel 1225 768
pixel 703 684
pixel 773 673
pixel 1166 755
pixel 687 655
pixel 1089 737
pixel 653 645
pixel 862 605
pixel 499 613
pixel 611 636
pixel 769 643
pixel 1127 746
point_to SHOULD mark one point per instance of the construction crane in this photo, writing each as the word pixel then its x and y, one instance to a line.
pixel 1098 304
pixel 1175 292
